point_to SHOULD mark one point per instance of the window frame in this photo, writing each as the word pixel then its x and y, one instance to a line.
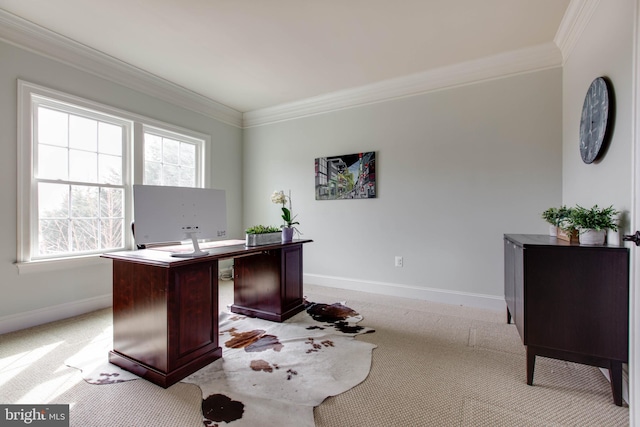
pixel 30 96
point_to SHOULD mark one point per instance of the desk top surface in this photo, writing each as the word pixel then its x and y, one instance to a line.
pixel 161 256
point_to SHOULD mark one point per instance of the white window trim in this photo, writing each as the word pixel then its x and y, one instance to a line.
pixel 47 265
pixel 25 215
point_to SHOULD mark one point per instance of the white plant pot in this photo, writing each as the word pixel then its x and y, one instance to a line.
pixel 613 238
pixel 553 230
pixel 592 237
pixel 287 234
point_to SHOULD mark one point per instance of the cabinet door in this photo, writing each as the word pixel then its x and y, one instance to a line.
pixel 257 282
pixel 193 308
pixel 140 329
pixel 577 299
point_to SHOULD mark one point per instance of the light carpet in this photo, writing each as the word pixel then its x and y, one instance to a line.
pixel 434 365
pixel 271 374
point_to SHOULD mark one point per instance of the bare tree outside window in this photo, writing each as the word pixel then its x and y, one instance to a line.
pixel 81 219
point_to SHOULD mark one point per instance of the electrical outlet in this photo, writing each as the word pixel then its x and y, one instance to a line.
pixel 398 261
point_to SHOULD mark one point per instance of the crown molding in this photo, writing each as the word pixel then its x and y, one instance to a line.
pixel 574 21
pixel 27 35
pixel 527 60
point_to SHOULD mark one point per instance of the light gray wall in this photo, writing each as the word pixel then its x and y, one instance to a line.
pixel 455 169
pixel 31 295
pixel 605 48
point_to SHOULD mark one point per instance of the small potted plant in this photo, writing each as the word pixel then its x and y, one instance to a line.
pixel 262 235
pixel 592 224
pixel 556 217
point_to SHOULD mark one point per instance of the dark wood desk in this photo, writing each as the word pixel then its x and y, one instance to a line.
pixel 569 302
pixel 165 309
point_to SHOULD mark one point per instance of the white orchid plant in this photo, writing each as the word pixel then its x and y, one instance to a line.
pixel 280 198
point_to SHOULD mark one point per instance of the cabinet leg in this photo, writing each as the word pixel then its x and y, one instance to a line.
pixel 531 363
pixel 508 316
pixel 615 375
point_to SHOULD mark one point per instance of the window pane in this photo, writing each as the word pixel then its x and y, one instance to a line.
pixel 53 236
pixel 153 173
pixel 112 233
pixel 171 175
pixel 110 139
pixel 152 148
pixel 112 214
pixel 187 155
pixel 83 133
pixel 83 166
pixel 85 234
pixel 187 177
pixel 53 201
pixel 170 151
pixel 111 203
pixel 52 127
pixel 109 169
pixel 84 202
pixel 53 162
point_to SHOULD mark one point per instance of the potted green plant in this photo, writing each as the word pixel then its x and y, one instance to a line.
pixel 262 235
pixel 556 217
pixel 592 224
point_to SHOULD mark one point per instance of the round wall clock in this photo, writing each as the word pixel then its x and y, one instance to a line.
pixel 595 122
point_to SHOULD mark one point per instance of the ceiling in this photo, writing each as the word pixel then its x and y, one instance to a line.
pixel 254 54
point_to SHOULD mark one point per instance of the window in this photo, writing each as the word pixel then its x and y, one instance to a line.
pixel 78 161
pixel 169 159
pixel 78 179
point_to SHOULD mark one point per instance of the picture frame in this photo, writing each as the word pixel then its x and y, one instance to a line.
pixel 348 176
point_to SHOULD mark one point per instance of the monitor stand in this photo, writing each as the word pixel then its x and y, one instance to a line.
pixel 196 248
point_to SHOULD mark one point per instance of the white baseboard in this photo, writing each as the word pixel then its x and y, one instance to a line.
pixel 28 319
pixel 62 311
pixel 489 302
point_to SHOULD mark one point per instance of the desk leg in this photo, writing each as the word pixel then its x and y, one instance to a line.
pixel 615 375
pixel 531 363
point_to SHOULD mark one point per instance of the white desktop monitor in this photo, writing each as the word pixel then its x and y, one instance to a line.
pixel 172 214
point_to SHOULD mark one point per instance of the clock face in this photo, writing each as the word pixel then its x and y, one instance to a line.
pixel 594 120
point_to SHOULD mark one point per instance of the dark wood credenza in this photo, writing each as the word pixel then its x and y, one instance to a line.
pixel 569 302
pixel 165 309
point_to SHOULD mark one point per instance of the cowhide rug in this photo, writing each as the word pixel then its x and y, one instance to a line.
pixel 270 374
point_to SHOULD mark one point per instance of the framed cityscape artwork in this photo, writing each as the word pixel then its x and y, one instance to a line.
pixel 350 176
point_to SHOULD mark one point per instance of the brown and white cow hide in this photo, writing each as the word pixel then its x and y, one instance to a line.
pixel 272 374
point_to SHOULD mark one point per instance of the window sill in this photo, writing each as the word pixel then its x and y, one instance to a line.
pixel 44 266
